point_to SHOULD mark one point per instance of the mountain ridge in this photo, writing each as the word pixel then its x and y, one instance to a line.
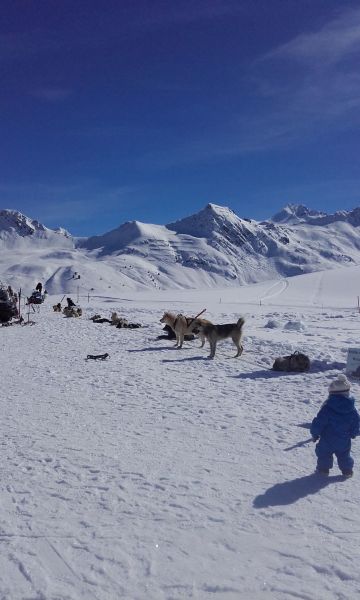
pixel 213 247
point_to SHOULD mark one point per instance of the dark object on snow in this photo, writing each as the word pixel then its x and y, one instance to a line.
pixel 171 334
pixel 100 320
pixel 70 302
pixel 16 322
pixel 8 308
pixel 295 362
pixel 97 356
pixel 39 287
pixel 123 323
pixel 36 298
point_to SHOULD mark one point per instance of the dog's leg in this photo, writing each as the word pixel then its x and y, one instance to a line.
pixel 181 339
pixel 203 338
pixel 212 348
pixel 239 351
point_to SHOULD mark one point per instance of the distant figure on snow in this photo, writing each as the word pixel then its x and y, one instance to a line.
pixel 39 287
pixel 70 302
pixel 336 423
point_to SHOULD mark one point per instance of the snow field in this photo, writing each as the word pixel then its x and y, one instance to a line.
pixel 159 474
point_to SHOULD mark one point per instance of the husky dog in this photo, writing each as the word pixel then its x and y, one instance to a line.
pixel 71 311
pixel 178 324
pixel 196 326
pixel 214 333
pixel 184 326
pixel 115 319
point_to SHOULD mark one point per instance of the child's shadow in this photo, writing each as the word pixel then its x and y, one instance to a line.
pixel 291 491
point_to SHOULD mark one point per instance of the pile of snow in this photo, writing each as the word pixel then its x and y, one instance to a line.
pixel 294 326
pixel 272 324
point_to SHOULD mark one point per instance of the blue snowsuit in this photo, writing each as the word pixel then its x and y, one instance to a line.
pixel 336 423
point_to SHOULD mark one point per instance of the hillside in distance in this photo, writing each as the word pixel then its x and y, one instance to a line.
pixel 212 248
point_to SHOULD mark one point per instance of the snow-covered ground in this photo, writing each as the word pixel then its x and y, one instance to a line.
pixel 161 475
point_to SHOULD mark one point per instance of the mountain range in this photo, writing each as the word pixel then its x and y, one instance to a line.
pixel 212 248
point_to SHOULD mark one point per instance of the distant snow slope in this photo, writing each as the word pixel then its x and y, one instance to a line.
pixel 213 248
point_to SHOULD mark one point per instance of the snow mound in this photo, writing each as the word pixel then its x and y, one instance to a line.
pixel 272 324
pixel 294 326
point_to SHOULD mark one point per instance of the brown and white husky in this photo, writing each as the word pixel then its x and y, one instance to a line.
pixel 182 326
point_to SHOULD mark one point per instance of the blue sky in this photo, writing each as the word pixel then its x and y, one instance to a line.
pixel 146 109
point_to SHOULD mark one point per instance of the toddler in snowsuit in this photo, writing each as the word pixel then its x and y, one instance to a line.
pixel 336 423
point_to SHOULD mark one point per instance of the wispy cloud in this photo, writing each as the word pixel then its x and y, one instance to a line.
pixel 319 77
pixel 304 89
pixel 338 40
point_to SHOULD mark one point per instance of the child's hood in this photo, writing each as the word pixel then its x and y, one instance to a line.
pixel 340 403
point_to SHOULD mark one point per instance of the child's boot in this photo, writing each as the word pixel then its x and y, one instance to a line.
pixel 323 471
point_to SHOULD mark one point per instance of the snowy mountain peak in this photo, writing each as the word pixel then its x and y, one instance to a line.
pixel 123 235
pixel 296 213
pixel 62 231
pixel 14 222
pixel 209 221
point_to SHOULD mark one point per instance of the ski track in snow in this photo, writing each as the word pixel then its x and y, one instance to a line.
pixel 160 474
pixel 276 289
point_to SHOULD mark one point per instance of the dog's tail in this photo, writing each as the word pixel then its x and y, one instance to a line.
pixel 240 323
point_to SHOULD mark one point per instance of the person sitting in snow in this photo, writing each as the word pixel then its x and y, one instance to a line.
pixel 336 423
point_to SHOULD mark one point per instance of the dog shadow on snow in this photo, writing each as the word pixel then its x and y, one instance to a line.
pixel 291 491
pixel 153 349
pixel 186 359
